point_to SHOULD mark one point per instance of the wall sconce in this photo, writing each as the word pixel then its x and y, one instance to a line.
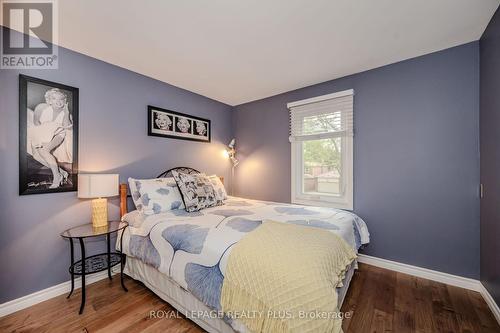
pixel 230 152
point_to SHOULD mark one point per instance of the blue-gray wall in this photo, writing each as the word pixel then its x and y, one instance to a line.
pixel 490 157
pixel 113 138
pixel 416 156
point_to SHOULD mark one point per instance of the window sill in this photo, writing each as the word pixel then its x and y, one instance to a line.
pixel 318 203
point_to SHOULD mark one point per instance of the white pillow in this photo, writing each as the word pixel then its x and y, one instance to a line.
pixel 155 196
pixel 220 190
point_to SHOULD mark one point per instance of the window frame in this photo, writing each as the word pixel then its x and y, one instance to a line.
pixel 298 196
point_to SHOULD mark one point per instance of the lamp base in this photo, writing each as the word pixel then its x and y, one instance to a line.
pixel 100 213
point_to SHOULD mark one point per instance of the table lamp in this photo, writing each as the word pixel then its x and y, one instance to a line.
pixel 98 187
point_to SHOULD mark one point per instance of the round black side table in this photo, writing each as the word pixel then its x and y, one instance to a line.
pixel 98 262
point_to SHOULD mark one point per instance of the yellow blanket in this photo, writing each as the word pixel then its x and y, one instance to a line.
pixel 282 278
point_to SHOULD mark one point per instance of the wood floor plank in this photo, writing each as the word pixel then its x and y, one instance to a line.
pixel 404 304
pixel 380 301
pixel 381 322
pixel 364 312
pixel 385 292
pixel 467 319
pixel 424 322
pixel 442 309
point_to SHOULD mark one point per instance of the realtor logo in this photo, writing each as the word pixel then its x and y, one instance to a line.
pixel 29 34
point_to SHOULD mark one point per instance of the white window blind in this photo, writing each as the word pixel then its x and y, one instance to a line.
pixel 323 117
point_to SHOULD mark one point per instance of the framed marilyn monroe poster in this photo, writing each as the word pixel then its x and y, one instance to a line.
pixel 48 136
pixel 171 124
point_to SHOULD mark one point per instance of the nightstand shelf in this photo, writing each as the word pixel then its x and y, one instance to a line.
pixel 96 263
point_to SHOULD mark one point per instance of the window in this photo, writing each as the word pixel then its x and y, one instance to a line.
pixel 321 134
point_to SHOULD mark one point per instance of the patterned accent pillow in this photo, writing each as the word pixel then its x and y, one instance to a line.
pixel 155 196
pixel 197 191
pixel 220 190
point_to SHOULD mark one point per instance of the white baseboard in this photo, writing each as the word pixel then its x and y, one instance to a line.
pixel 429 274
pixel 51 292
pixel 491 302
pixel 425 273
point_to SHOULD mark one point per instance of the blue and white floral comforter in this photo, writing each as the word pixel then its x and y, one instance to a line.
pixel 193 248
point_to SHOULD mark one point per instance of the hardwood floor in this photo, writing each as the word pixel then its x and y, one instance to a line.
pixel 379 301
pixel 386 301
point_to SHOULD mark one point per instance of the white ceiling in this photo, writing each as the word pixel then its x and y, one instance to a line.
pixel 236 51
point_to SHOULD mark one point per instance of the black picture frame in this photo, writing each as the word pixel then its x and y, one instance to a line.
pixel 34 176
pixel 169 128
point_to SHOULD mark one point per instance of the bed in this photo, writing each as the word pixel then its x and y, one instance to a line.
pixel 182 256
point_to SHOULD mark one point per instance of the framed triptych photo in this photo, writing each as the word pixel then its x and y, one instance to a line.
pixel 171 124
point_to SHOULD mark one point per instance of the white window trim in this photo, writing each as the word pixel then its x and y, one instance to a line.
pixel 297 197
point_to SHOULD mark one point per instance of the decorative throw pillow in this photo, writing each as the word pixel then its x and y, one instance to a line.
pixel 197 191
pixel 220 190
pixel 154 196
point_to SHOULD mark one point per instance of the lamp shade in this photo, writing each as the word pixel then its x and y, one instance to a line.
pixel 97 185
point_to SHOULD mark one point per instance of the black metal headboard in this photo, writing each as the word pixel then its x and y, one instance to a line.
pixel 168 173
